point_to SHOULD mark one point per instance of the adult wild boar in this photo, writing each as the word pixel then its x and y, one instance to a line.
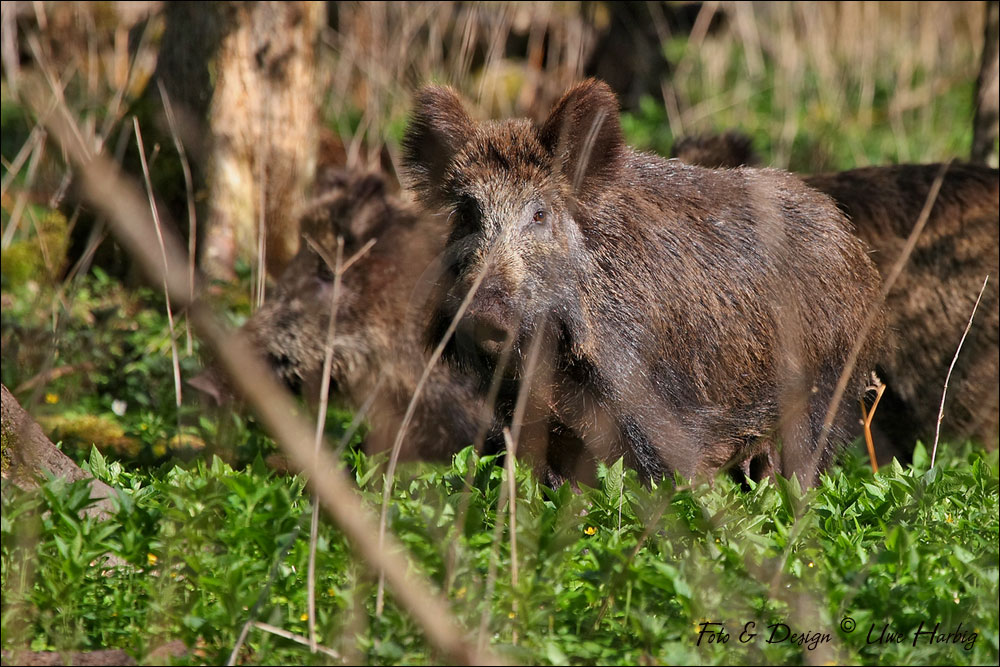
pixel 688 319
pixel 378 353
pixel 929 306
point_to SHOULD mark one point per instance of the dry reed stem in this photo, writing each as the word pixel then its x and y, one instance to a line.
pixel 944 392
pixel 103 185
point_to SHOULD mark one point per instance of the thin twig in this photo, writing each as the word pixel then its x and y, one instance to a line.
pixel 266 627
pixel 944 392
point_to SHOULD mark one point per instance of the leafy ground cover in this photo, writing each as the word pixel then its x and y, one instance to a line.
pixel 859 570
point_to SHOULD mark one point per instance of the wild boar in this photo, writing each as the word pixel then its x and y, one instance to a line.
pixel 378 354
pixel 930 304
pixel 688 318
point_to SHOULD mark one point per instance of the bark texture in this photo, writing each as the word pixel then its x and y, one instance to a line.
pixel 986 124
pixel 247 70
pixel 28 454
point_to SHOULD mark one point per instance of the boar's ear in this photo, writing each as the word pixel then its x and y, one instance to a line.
pixel 368 206
pixel 437 130
pixel 584 135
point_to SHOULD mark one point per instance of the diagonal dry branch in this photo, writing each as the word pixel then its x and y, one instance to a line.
pixel 102 184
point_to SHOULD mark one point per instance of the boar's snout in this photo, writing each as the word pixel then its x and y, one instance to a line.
pixel 485 332
pixel 490 320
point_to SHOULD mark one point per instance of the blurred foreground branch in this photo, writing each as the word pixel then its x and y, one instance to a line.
pixel 104 187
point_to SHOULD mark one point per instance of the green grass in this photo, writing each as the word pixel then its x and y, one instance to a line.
pixel 208 544
pixel 211 544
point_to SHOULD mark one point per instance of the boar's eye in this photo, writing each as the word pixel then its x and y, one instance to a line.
pixel 467 218
pixel 540 217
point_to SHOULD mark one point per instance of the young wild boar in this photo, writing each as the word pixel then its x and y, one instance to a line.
pixel 688 319
pixel 378 352
pixel 931 301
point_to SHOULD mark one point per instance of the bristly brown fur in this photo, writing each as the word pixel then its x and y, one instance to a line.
pixel 716 151
pixel 930 304
pixel 378 342
pixel 691 317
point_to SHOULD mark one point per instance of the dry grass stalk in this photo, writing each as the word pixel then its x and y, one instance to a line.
pixel 511 516
pixel 944 391
pixel 338 267
pixel 163 253
pixel 397 445
pixel 189 193
pixel 298 639
pixel 867 416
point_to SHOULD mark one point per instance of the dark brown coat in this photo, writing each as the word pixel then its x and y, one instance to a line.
pixel 689 317
pixel 930 304
pixel 378 353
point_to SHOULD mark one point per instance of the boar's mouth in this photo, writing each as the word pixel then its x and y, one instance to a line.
pixel 475 347
pixel 484 332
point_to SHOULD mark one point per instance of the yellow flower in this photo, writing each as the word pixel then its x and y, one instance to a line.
pixel 590 530
pixel 511 615
pixel 304 617
pixel 331 592
pixel 947 517
pixel 51 398
pixel 152 559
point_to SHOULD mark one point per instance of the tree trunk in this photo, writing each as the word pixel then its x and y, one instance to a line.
pixel 27 454
pixel 987 120
pixel 261 116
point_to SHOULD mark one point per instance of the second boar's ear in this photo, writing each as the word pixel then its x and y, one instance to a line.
pixel 438 129
pixel 584 135
pixel 368 206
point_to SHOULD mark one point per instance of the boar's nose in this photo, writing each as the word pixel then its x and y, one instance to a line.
pixel 485 333
pixel 488 323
